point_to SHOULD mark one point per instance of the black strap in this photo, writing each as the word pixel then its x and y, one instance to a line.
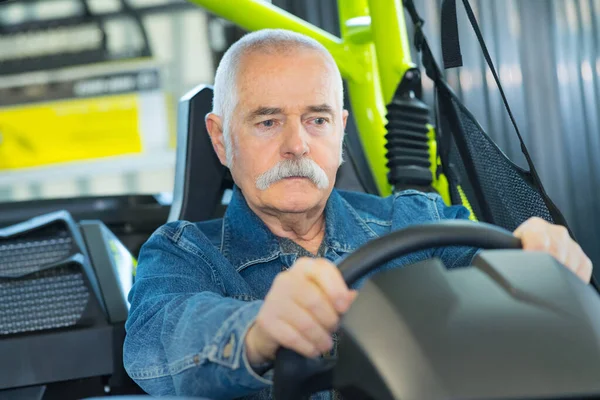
pixel 431 68
pixel 450 40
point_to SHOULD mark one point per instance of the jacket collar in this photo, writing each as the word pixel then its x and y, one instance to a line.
pixel 246 240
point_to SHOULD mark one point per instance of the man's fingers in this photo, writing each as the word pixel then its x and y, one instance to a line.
pixel 537 240
pixel 289 337
pixel 539 235
pixel 328 277
pixel 302 308
pixel 580 263
pixel 573 259
pixel 307 326
pixel 562 246
pixel 585 269
pixel 316 302
pixel 534 223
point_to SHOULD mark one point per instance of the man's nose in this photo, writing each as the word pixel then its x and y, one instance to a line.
pixel 295 144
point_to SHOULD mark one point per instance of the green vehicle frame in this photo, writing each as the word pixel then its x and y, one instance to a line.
pixel 373 54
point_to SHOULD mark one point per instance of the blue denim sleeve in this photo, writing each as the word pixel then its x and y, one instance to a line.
pixel 184 336
pixel 454 257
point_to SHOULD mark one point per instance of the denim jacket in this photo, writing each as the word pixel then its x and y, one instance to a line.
pixel 199 287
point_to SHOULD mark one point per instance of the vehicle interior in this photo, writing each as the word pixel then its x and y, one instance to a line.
pixel 492 104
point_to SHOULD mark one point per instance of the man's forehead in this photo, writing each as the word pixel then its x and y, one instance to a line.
pixel 290 82
pixel 259 61
pixel 287 100
pixel 285 72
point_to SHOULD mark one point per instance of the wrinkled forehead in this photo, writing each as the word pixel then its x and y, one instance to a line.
pixel 290 80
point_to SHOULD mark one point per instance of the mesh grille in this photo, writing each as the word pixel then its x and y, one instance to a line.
pixel 48 299
pixel 506 192
pixel 32 296
pixel 21 257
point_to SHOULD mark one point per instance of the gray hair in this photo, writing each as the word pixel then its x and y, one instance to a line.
pixel 268 41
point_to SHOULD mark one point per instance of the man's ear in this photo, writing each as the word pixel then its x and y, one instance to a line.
pixel 214 126
pixel 344 118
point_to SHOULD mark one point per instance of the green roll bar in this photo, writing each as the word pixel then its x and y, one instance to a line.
pixel 373 54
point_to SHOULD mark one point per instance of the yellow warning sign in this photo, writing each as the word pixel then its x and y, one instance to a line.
pixel 69 130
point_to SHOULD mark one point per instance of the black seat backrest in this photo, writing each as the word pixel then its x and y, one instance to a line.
pixel 200 178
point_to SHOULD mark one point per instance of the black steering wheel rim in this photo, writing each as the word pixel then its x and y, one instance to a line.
pixel 421 237
pixel 295 375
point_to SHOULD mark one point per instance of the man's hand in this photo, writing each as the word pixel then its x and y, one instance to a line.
pixel 540 235
pixel 300 312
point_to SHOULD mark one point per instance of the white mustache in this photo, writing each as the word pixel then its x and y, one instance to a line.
pixel 303 167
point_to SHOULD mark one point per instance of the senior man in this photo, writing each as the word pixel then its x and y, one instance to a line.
pixel 213 301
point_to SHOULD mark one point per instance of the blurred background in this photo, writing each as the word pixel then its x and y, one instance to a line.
pixel 89 92
pixel 89 105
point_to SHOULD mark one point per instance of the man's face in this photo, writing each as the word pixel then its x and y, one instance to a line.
pixel 287 109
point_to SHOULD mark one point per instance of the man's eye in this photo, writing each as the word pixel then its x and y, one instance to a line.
pixel 320 121
pixel 268 123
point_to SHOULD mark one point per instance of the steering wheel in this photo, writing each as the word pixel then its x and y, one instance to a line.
pixel 296 376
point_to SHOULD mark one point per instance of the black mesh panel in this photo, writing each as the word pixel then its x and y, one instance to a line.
pixel 499 191
pixel 49 299
pixel 40 286
pixel 25 256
